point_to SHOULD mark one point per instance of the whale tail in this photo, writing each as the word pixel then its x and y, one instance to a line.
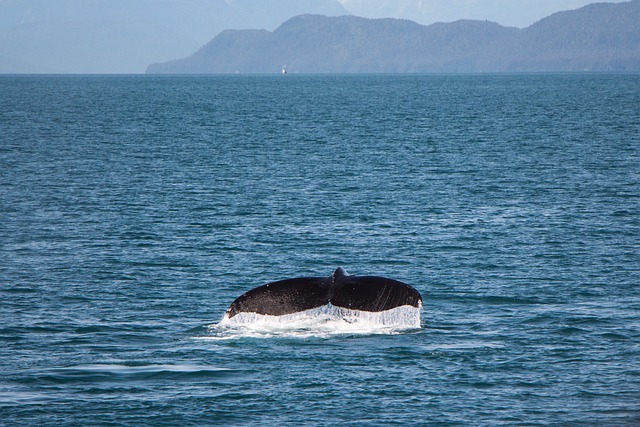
pixel 366 293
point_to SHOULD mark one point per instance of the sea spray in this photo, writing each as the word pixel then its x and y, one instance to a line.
pixel 323 321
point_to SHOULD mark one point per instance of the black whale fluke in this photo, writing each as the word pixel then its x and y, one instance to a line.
pixel 367 293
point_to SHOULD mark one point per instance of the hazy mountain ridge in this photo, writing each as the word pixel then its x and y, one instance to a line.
pixel 509 13
pixel 597 37
pixel 124 36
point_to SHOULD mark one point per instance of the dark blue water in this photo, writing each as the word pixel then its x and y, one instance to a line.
pixel 133 210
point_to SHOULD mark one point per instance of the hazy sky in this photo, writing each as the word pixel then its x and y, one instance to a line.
pixel 517 13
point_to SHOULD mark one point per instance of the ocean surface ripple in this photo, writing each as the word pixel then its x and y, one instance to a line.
pixel 135 209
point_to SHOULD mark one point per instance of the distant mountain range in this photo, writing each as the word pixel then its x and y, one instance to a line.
pixel 510 13
pixel 598 37
pixel 124 36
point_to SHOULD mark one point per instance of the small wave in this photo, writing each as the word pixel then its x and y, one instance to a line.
pixel 110 373
pixel 324 321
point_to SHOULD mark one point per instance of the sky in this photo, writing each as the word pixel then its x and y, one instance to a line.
pixel 515 13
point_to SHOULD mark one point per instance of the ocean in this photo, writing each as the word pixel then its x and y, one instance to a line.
pixel 135 209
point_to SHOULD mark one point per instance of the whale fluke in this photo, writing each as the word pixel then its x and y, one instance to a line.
pixel 366 293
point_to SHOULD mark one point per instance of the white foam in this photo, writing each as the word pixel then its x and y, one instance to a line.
pixel 323 321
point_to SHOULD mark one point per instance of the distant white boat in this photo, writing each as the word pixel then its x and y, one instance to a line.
pixel 284 69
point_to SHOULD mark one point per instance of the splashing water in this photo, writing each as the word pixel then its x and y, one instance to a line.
pixel 324 321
